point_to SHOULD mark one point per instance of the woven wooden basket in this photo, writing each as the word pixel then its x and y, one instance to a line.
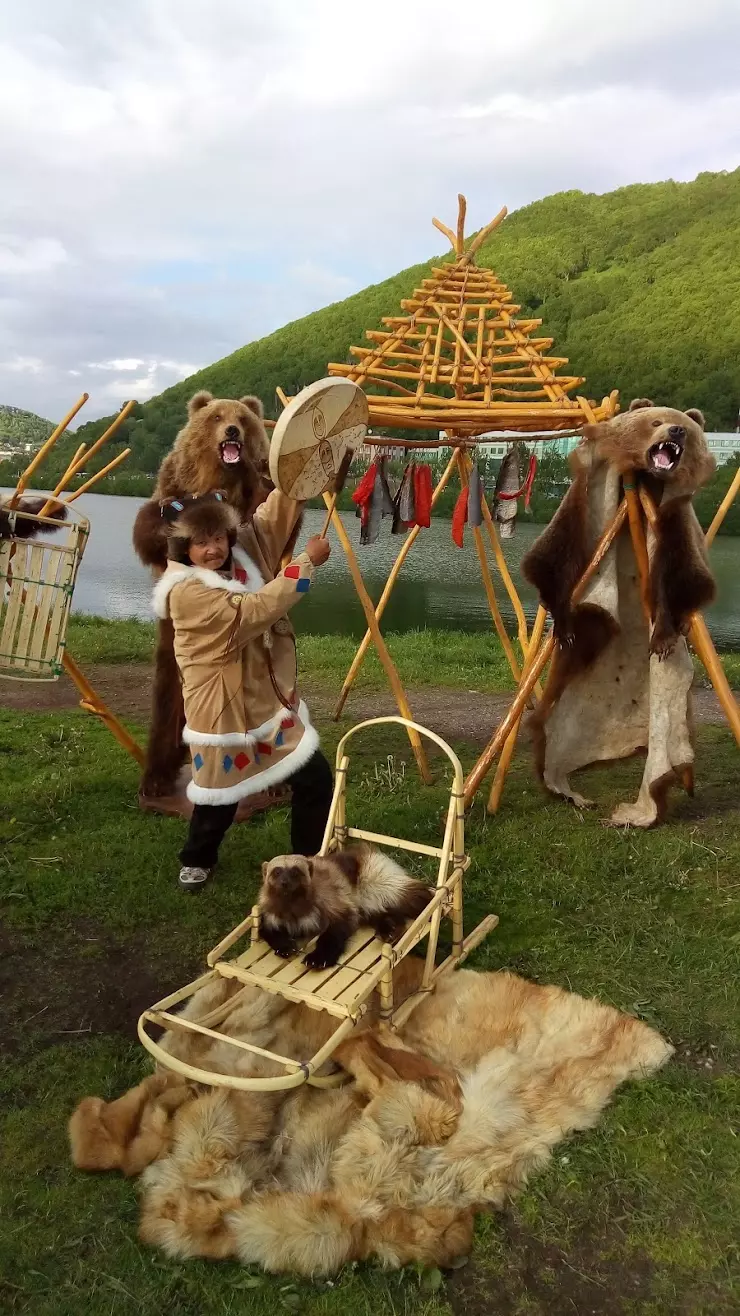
pixel 37 579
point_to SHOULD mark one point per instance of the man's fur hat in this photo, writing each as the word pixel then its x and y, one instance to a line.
pixel 191 518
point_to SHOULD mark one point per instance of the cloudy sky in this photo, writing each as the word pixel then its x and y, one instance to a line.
pixel 178 177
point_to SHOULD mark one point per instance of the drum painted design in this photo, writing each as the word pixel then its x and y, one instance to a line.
pixel 313 434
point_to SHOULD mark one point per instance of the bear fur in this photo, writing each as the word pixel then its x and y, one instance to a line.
pixel 667 450
pixel 223 446
pixel 13 522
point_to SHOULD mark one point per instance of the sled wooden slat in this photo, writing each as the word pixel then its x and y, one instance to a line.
pixel 291 971
pixel 291 993
pixel 44 602
pixel 342 979
pixel 362 978
pixel 13 607
pixel 368 955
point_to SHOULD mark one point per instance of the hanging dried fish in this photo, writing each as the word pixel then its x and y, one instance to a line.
pixel 508 487
pixel 475 497
pixel 403 503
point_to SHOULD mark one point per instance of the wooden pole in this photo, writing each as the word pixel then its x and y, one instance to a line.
pixel 98 475
pixel 481 767
pixel 33 466
pixel 405 549
pixel 85 457
pixel 639 546
pixel 332 507
pixel 505 574
pixel 93 704
pixel 487 581
pixel 704 645
pixel 381 646
pixel 723 509
pixel 507 752
pixel 480 238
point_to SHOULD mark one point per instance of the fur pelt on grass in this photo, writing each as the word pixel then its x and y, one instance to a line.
pixel 448 1118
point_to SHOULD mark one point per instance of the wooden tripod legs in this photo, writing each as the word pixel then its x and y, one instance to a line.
pixel 93 704
pixel 394 679
pixel 538 664
pixel 404 551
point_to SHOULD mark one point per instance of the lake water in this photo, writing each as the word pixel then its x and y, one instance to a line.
pixel 439 585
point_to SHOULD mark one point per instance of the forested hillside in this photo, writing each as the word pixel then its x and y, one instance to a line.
pixel 18 427
pixel 640 289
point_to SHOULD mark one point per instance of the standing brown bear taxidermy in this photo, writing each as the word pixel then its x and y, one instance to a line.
pixel 223 446
pixel 667 450
pixel 621 675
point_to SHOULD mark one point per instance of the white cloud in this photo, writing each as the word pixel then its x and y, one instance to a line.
pixel 174 187
pixel 127 363
pixel 37 256
pixel 22 365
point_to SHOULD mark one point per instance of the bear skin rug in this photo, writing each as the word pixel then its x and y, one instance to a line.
pixel 616 684
pixel 443 1119
pixel 223 446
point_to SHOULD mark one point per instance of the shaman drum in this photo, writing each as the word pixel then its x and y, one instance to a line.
pixel 318 431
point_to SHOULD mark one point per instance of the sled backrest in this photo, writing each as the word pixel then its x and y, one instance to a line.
pixel 37 579
pixel 451 854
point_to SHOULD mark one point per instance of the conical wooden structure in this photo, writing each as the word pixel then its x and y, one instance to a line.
pixel 460 360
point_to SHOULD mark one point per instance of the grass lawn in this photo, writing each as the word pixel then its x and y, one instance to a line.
pixel 640 1215
pixel 429 657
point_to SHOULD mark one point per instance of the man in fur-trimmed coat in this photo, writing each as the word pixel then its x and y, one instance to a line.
pixel 246 726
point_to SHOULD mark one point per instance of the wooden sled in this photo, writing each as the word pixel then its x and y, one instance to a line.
pixel 37 578
pixel 366 966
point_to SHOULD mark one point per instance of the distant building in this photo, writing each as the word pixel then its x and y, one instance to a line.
pixel 721 446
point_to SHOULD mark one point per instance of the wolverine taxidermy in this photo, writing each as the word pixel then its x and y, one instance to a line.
pixel 331 896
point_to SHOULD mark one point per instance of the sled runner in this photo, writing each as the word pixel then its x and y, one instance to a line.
pixel 367 965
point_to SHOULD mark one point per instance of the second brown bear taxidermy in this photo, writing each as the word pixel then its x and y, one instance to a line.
pixel 13 521
pixel 667 450
pixel 330 897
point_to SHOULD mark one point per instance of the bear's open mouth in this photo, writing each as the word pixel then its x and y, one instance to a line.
pixel 231 451
pixel 664 457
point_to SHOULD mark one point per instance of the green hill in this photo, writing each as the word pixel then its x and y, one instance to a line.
pixel 19 427
pixel 639 287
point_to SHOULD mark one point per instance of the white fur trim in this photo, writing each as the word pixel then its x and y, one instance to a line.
pixel 251 568
pixel 177 571
pixel 191 737
pixel 271 776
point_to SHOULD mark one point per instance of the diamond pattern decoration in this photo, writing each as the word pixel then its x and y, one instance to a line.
pixel 303 585
pixel 241 761
pixel 228 763
pixel 279 739
pixel 292 573
pixel 198 761
pixel 264 748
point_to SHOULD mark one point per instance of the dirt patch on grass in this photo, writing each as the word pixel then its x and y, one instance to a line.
pixel 455 714
pixel 543 1278
pixel 76 982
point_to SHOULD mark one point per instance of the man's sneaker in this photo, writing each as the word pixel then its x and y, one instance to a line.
pixel 192 879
